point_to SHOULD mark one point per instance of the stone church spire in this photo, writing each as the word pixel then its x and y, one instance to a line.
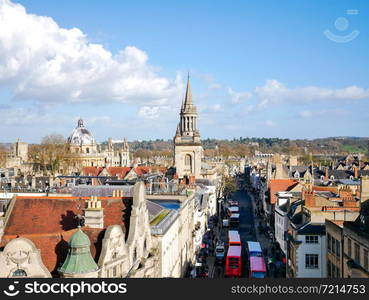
pixel 188 115
pixel 187 142
pixel 188 97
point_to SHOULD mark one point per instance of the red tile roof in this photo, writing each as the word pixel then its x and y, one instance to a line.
pixel 142 170
pixel 280 185
pixel 50 222
pixel 120 172
pixel 91 171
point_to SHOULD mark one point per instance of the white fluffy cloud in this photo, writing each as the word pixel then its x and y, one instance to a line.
pixel 275 92
pixel 41 61
pixel 237 97
pixel 148 112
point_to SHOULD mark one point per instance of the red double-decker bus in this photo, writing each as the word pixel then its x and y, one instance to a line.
pixel 257 267
pixel 234 238
pixel 233 262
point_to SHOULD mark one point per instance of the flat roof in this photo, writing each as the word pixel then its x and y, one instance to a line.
pixel 234 236
pixel 254 246
pixel 257 264
pixel 234 251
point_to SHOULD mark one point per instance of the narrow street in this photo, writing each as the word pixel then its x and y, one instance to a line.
pixel 247 227
pixel 248 232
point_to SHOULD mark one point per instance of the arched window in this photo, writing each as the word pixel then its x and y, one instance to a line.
pixel 19 273
pixel 145 245
pixel 87 150
pixel 188 160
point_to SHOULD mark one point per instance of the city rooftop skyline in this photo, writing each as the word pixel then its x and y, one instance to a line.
pixel 257 69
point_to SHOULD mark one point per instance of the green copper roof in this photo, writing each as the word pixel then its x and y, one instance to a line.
pixel 79 259
pixel 79 239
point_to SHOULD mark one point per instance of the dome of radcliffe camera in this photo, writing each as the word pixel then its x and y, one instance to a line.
pixel 81 135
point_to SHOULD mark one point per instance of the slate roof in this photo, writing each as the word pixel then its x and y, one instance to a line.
pixel 154 209
pixel 312 228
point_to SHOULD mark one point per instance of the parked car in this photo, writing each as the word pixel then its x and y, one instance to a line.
pixel 202 271
pixel 232 203
pixel 219 254
pixel 203 254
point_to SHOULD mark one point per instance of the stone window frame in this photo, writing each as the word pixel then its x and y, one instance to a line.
pixel 357 253
pixel 311 239
pixel 311 261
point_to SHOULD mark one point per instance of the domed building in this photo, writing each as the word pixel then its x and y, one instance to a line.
pixel 85 152
pixel 81 140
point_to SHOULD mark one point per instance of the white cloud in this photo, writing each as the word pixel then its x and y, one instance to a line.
pixel 97 120
pixel 276 92
pixel 209 79
pixel 148 112
pixel 22 116
pixel 237 97
pixel 41 61
pixel 322 112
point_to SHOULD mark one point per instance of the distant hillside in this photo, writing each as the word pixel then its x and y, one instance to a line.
pixel 248 146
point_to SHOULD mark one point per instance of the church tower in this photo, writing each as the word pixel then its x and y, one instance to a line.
pixel 187 143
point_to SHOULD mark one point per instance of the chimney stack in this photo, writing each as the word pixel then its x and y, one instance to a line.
pixel 348 199
pixel 308 196
pixel 94 213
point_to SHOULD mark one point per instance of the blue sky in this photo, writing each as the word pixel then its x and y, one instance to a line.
pixel 258 68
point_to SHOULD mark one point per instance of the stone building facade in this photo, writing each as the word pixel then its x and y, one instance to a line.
pixel 87 153
pixel 121 247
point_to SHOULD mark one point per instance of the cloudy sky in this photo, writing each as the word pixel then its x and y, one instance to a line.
pixel 296 69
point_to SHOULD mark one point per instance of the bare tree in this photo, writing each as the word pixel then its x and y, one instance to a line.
pixel 52 154
pixel 3 155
